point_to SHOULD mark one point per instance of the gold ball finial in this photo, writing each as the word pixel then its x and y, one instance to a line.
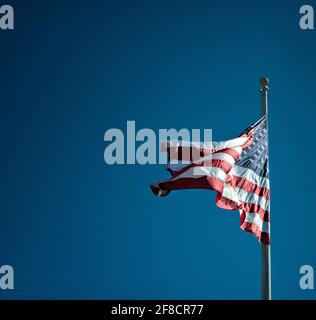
pixel 264 81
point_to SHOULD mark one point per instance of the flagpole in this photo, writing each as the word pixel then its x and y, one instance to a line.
pixel 265 249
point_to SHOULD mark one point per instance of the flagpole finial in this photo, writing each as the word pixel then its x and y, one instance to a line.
pixel 264 83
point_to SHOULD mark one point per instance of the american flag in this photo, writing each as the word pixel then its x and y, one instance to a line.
pixel 236 169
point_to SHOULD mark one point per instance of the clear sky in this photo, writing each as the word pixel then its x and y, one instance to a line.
pixel 74 227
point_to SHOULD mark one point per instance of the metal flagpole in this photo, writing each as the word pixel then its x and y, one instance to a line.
pixel 265 249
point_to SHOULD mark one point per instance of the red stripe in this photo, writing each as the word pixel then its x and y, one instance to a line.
pixel 226 166
pixel 177 153
pixel 205 182
pixel 208 163
pixel 227 204
pixel 250 187
pixel 231 152
pixel 254 208
pixel 263 237
pixel 250 227
pixel 186 153
pixel 155 189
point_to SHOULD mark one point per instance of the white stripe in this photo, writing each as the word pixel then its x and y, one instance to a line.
pixel 249 175
pixel 264 226
pixel 218 156
pixel 250 197
pixel 176 165
pixel 215 146
pixel 239 195
pixel 230 193
pixel 237 149
pixel 197 172
pixel 237 142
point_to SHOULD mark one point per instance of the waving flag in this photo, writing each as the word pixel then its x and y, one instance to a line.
pixel 236 169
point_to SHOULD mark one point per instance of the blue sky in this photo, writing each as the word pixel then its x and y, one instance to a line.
pixel 75 227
